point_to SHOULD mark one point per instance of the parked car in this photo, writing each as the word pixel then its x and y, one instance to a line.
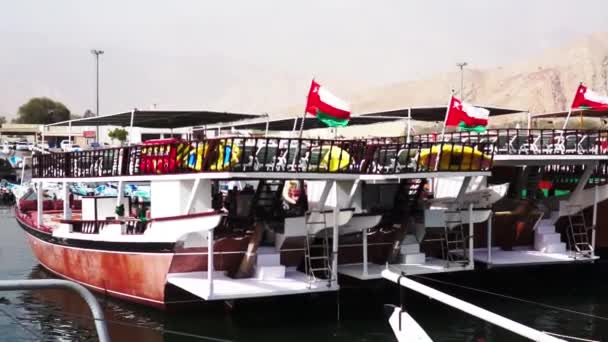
pixel 66 146
pixel 22 146
pixel 74 148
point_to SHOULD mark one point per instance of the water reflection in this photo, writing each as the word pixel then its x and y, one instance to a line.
pixel 64 314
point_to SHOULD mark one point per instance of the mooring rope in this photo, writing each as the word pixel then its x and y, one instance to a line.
pixel 570 337
pixel 548 306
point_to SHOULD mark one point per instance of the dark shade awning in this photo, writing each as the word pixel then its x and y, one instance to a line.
pixel 575 112
pixel 160 119
pixel 309 123
pixel 436 113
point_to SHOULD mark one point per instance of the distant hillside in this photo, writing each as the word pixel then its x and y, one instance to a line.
pixel 545 83
pixel 542 84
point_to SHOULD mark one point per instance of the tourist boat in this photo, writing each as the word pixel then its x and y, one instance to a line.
pixel 192 243
pixel 556 190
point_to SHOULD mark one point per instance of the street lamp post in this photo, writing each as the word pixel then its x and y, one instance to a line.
pixel 461 66
pixel 97 53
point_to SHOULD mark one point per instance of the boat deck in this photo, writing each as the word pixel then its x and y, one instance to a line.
pixel 374 271
pixel 225 288
pixel 525 255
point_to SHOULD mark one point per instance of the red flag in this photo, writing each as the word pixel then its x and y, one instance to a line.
pixel 586 98
pixel 466 116
pixel 326 106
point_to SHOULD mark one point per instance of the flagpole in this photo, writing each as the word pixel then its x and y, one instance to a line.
pixel 445 121
pixel 447 111
pixel 570 109
pixel 409 124
pixel 567 117
pixel 302 124
pixel 304 113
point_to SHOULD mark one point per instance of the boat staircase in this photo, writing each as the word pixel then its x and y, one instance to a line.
pixel 317 263
pixel 268 264
pixel 268 197
pixel 455 239
pixel 578 236
pixel 532 176
pixel 546 238
pixel 407 198
pixel 409 251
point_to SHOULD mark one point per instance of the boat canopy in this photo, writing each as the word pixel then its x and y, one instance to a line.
pixel 575 112
pixel 433 113
pixel 294 123
pixel 159 119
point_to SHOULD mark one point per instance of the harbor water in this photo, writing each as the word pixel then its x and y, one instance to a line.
pixel 58 315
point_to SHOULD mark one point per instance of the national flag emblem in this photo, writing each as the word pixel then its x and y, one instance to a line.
pixel 586 98
pixel 467 117
pixel 328 108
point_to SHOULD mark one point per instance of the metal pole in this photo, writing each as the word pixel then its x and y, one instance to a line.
pixel 295 124
pixel 365 252
pixel 594 221
pixel 43 284
pixel 334 258
pixel 471 231
pixel 267 124
pixel 302 124
pixel 210 261
pixel 23 169
pixel 120 193
pixel 39 204
pixel 70 135
pixel 471 309
pixel 567 118
pixel 67 214
pixel 97 53
pixel 131 126
pixel 490 238
pixel 409 124
pixel 461 66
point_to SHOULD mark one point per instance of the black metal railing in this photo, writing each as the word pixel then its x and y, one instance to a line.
pixel 530 141
pixel 86 226
pixel 267 155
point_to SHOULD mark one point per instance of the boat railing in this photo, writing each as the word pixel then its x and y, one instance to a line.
pixel 530 141
pixel 88 226
pixel 253 155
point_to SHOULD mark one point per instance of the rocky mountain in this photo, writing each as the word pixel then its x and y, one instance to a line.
pixel 544 83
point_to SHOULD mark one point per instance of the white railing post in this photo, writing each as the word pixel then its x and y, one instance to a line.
pixel 490 238
pixel 210 261
pixel 594 221
pixel 334 258
pixel 471 231
pixel 39 204
pixel 488 316
pixel 365 252
pixel 67 212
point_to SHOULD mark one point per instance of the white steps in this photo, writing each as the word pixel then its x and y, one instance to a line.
pixel 546 240
pixel 410 251
pixel 545 228
pixel 268 264
pixel 410 248
pixel 415 258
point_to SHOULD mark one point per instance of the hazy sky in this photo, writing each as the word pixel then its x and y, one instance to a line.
pixel 250 54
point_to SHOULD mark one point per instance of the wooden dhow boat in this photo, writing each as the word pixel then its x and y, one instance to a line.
pixel 193 243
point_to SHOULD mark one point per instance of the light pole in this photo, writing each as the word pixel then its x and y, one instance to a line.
pixel 461 66
pixel 97 53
